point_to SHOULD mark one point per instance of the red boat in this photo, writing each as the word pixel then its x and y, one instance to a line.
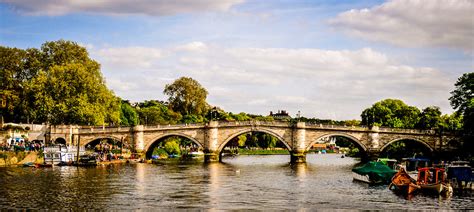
pixel 431 180
pixel 401 182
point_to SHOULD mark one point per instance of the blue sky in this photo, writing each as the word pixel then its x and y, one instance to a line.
pixel 327 59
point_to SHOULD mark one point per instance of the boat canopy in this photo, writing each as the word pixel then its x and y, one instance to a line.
pixel 378 169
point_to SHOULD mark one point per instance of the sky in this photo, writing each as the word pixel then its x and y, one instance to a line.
pixel 329 59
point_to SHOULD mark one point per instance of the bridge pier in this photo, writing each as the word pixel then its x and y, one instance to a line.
pixel 298 157
pixel 372 155
pixel 210 157
pixel 211 153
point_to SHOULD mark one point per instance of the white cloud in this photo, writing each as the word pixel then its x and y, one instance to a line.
pixel 413 23
pixel 321 83
pixel 119 7
pixel 130 57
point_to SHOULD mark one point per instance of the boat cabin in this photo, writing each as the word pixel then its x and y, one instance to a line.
pixel 430 175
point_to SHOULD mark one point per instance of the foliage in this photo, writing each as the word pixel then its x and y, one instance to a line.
pixel 187 96
pixel 404 149
pixel 128 115
pixel 391 113
pixel 75 93
pixel 57 83
pixel 241 140
pixel 160 152
pixel 172 147
pixel 192 119
pixel 17 67
pixel 430 118
pixel 155 112
pixel 453 122
pixel 462 100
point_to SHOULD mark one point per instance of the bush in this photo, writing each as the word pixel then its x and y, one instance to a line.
pixel 160 152
pixel 172 147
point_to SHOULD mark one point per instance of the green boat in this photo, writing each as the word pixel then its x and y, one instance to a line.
pixel 373 173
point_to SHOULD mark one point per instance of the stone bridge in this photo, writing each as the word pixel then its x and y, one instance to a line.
pixel 213 136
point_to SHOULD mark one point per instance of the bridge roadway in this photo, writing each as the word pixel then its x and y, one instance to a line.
pixel 214 135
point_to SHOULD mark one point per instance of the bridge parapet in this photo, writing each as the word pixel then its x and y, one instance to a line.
pixel 174 126
pixel 253 123
pixel 335 127
pixel 406 131
pixel 103 129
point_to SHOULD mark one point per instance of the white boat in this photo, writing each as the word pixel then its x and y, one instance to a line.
pixel 55 155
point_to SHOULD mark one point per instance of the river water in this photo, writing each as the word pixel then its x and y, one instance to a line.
pixel 242 182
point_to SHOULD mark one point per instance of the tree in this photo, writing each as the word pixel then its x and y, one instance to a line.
pixel 242 139
pixel 187 96
pixel 17 67
pixel 70 88
pixel 128 115
pixel 391 113
pixel 154 112
pixel 453 122
pixel 430 118
pixel 462 100
pixel 172 146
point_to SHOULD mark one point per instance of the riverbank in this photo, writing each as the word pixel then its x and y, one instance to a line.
pixel 8 158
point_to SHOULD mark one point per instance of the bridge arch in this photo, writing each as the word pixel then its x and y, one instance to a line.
pixel 248 130
pixel 108 137
pixel 407 138
pixel 60 140
pixel 350 137
pixel 154 141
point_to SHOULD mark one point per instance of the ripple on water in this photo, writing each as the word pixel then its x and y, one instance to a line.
pixel 240 183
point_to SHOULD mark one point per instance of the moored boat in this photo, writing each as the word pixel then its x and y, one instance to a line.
pixel 61 155
pixel 432 180
pixel 401 182
pixel 411 165
pixel 373 173
pixel 460 175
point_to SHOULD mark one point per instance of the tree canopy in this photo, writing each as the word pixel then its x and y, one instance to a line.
pixel 187 96
pixel 58 83
pixel 391 113
pixel 462 100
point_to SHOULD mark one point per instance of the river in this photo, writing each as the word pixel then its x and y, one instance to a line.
pixel 242 182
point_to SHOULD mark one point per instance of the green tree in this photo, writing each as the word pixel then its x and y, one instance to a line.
pixel 172 147
pixel 430 118
pixel 128 115
pixel 391 113
pixel 70 88
pixel 187 96
pixel 155 112
pixel 462 100
pixel 453 122
pixel 242 139
pixel 17 67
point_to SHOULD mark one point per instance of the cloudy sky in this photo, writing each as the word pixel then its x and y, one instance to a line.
pixel 325 58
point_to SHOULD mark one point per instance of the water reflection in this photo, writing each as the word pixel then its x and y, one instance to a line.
pixel 240 183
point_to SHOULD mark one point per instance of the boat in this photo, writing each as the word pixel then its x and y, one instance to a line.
pixel 87 160
pixel 432 180
pixel 460 174
pixel 61 155
pixel 392 163
pixel 401 182
pixel 411 165
pixel 373 173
